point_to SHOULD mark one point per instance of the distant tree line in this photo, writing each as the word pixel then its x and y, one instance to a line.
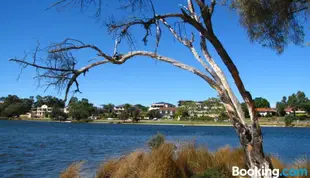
pixel 296 101
pixel 13 106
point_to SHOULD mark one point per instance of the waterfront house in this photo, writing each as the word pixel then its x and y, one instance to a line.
pixel 44 111
pixel 165 109
pixel 118 109
pixel 290 110
pixel 41 112
pixel 266 111
pixel 211 107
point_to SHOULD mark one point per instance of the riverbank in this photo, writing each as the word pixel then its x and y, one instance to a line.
pixel 264 122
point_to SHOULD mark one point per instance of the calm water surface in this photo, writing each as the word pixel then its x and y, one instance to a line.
pixel 44 149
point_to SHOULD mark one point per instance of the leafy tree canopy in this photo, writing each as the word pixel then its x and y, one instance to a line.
pixel 50 101
pixel 81 109
pixel 261 103
pixel 13 106
pixel 273 23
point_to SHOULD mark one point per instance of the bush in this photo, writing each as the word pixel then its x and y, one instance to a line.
pixel 288 120
pixel 156 141
pixel 302 116
pixel 218 172
pixel 223 116
pixel 202 118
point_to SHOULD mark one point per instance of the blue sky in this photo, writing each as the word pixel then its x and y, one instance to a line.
pixel 141 80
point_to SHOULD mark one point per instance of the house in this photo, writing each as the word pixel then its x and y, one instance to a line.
pixel 161 105
pixel 165 109
pixel 290 110
pixel 211 107
pixel 266 111
pixel 66 110
pixel 168 112
pixel 118 109
pixel 42 111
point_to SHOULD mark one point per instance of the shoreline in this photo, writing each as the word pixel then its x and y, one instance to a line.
pixel 161 123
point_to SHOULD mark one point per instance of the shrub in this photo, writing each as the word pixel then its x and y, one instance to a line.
pixel 156 141
pixel 223 116
pixel 218 172
pixel 302 116
pixel 288 120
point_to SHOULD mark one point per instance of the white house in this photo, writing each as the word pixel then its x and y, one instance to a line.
pixel 41 111
pixel 118 109
pixel 291 111
pixel 161 105
pixel 165 109
pixel 266 111
pixel 44 110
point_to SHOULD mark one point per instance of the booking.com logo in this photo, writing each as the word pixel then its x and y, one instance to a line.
pixel 236 171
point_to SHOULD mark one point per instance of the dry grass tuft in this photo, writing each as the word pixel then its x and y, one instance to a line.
pixel 73 171
pixel 304 164
pixel 276 163
pixel 193 161
pixel 167 161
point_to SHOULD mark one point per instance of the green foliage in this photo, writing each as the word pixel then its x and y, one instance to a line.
pixel 58 114
pixel 80 109
pixel 202 118
pixel 182 112
pixel 302 116
pixel 124 115
pixel 273 23
pixel 218 172
pixel 281 108
pixel 223 116
pixel 156 141
pixel 245 110
pixel 295 101
pixel 289 119
pixel 13 106
pixel 49 101
pixel 154 114
pixel 135 115
pixel 141 107
pixel 261 103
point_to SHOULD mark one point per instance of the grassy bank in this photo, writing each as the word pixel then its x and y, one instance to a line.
pixel 168 161
pixel 268 122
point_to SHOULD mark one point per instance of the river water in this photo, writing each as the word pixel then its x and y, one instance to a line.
pixel 44 149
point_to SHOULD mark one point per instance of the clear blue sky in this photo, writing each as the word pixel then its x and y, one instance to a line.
pixel 142 80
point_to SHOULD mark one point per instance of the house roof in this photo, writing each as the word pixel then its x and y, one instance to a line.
pixel 265 110
pixel 162 103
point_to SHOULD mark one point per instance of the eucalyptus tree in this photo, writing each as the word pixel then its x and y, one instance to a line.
pixel 60 67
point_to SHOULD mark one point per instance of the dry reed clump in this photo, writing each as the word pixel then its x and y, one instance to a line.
pixel 73 171
pixel 276 163
pixel 303 164
pixel 187 162
pixel 156 164
pixel 167 162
